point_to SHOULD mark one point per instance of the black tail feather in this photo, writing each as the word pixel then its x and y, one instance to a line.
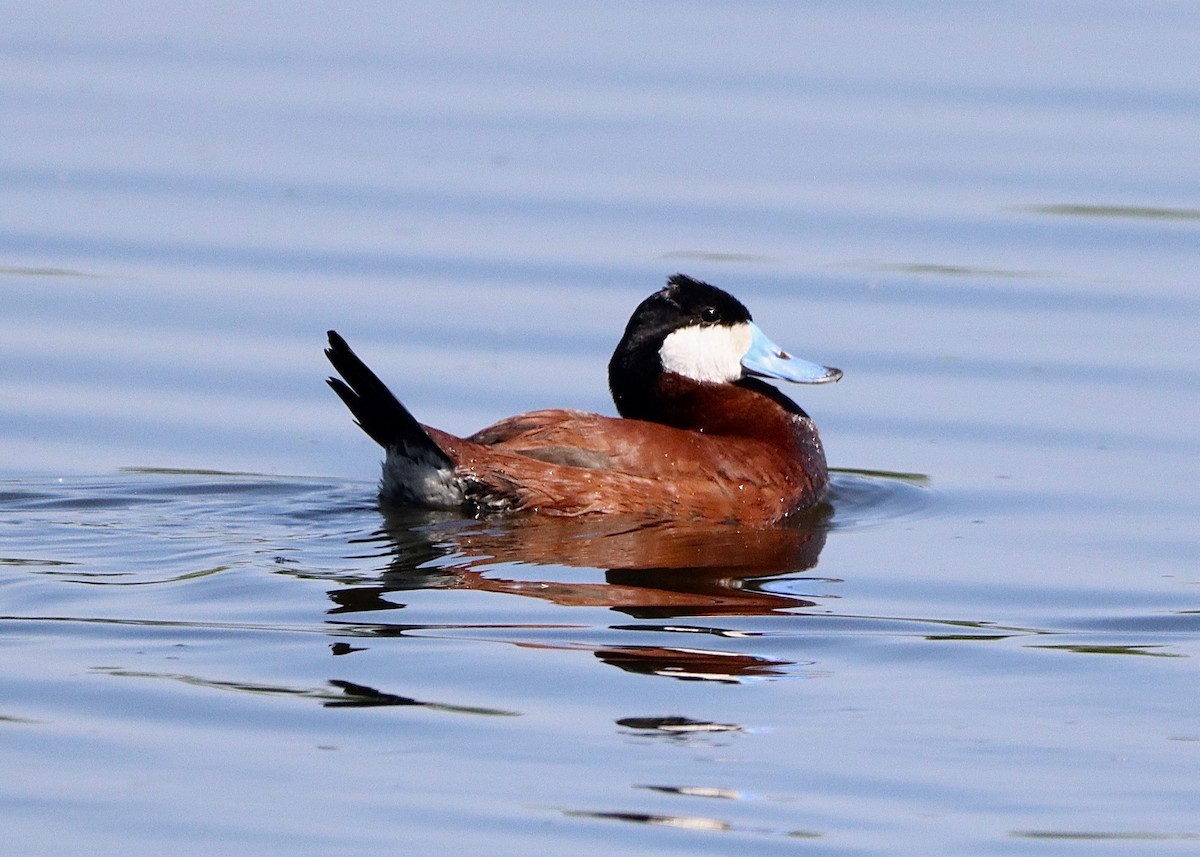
pixel 375 409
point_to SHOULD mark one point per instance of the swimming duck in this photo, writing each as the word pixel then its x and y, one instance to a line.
pixel 701 438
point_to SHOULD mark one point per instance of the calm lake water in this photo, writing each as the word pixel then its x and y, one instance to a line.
pixel 213 641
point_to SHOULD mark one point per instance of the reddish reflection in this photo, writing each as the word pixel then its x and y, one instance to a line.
pixel 691 664
pixel 652 570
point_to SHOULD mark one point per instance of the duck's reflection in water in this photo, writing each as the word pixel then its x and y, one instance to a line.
pixel 651 571
pixel 691 664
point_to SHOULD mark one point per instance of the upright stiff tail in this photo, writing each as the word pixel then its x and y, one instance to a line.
pixel 375 409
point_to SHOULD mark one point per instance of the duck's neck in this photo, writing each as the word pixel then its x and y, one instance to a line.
pixel 633 374
pixel 748 408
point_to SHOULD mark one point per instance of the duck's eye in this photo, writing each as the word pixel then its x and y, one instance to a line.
pixel 709 315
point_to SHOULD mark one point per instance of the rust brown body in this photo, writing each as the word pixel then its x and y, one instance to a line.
pixel 742 459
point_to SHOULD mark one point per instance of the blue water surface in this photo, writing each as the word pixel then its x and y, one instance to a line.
pixel 212 639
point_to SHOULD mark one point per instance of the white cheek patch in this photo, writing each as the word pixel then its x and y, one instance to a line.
pixel 709 354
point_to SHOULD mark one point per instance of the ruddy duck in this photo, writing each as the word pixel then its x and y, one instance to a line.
pixel 700 437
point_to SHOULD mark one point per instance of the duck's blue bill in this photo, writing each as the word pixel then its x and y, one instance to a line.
pixel 768 360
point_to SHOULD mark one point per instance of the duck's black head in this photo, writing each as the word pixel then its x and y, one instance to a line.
pixel 697 331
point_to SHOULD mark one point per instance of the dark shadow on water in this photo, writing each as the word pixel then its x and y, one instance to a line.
pixel 675 725
pixel 339 693
pixel 699 823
